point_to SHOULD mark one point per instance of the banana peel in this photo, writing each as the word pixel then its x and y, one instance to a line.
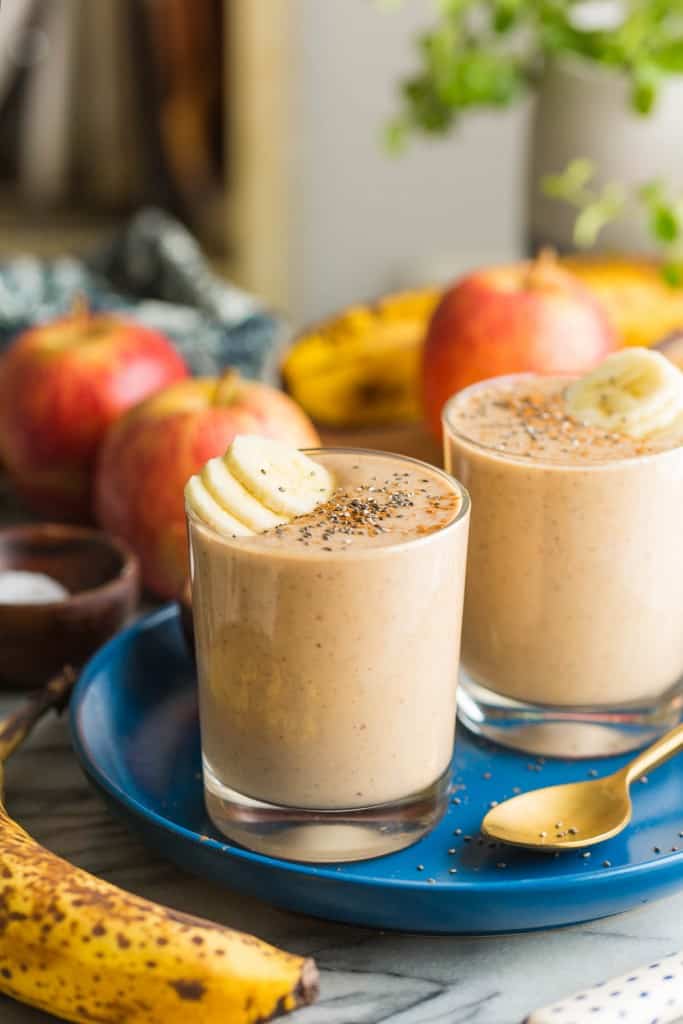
pixel 642 307
pixel 362 367
pixel 89 952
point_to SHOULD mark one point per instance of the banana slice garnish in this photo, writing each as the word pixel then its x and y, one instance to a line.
pixel 203 504
pixel 230 494
pixel 258 484
pixel 635 391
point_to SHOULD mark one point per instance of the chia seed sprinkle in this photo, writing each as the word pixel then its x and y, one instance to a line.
pixel 359 511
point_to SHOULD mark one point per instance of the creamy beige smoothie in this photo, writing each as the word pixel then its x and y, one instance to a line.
pixel 575 572
pixel 328 645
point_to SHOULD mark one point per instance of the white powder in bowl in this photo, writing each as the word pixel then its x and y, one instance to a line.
pixel 18 587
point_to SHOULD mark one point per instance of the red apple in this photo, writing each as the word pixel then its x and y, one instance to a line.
pixel 61 385
pixel 149 455
pixel 528 317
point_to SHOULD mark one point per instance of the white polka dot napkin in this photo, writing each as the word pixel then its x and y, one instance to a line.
pixel 648 995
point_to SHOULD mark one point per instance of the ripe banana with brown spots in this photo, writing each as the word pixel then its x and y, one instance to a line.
pixel 89 952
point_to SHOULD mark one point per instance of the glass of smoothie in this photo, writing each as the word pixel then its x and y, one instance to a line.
pixel 327 646
pixel 573 622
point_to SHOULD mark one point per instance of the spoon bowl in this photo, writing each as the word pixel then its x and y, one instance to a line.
pixel 577 814
pixel 563 817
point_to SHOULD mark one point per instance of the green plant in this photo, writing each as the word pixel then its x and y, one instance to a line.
pixel 598 206
pixel 487 53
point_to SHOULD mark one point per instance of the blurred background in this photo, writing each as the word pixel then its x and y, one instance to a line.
pixel 220 198
pixel 260 125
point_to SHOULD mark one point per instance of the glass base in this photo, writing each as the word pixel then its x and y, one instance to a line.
pixel 568 732
pixel 324 836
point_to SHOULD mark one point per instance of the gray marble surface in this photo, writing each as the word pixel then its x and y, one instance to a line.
pixel 367 976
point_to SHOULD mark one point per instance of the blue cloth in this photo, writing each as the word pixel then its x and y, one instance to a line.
pixel 155 272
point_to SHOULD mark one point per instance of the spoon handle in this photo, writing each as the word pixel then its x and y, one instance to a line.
pixel 650 758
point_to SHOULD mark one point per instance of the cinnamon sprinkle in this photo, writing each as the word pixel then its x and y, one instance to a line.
pixel 533 421
pixel 373 509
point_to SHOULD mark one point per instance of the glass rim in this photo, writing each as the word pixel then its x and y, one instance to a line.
pixel 545 462
pixel 380 549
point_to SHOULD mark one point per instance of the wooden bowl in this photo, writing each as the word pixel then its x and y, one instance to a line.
pixel 103 579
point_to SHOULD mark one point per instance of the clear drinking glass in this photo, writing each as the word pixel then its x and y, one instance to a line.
pixel 327 681
pixel 573 622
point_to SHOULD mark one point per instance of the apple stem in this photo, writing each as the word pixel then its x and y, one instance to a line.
pixel 80 307
pixel 227 387
pixel 547 256
pixel 540 270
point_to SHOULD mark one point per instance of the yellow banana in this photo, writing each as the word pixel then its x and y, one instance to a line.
pixel 88 952
pixel 640 304
pixel 362 367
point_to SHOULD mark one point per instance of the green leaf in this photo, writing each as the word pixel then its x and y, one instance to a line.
pixel 396 135
pixel 646 80
pixel 597 214
pixel 487 78
pixel 665 224
pixel 571 183
pixel 672 272
pixel 506 15
pixel 452 8
pixel 669 57
pixel 651 192
pixel 588 226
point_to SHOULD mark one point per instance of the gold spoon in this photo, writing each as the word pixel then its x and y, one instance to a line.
pixel 577 814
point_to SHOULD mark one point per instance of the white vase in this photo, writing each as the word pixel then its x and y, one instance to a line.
pixel 584 110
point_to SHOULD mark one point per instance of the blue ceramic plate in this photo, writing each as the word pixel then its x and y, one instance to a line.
pixel 135 730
